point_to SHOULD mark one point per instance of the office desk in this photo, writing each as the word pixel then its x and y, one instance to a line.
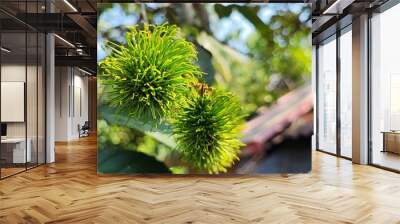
pixel 13 150
pixel 391 141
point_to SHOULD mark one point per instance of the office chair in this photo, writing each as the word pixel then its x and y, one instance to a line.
pixel 84 130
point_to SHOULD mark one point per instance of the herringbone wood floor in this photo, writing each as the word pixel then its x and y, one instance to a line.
pixel 70 191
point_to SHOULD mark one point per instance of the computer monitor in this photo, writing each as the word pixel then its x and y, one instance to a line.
pixel 3 129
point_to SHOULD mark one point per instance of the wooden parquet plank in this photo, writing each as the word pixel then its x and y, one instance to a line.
pixel 70 191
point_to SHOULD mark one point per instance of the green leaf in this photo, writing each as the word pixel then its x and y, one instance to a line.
pixel 161 133
pixel 205 63
pixel 113 160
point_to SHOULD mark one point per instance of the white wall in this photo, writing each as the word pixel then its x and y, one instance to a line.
pixel 14 72
pixel 62 82
pixel 33 127
pixel 71 94
pixel 80 115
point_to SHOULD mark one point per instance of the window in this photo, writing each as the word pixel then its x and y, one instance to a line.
pixel 327 96
pixel 385 89
pixel 346 93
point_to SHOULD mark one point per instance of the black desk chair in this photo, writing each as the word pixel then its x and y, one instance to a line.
pixel 84 130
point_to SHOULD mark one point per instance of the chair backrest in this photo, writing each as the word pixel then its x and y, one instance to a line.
pixel 86 125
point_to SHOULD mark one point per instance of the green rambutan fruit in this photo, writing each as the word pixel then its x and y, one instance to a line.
pixel 149 75
pixel 207 130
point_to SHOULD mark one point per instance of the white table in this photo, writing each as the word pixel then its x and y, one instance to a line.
pixel 19 155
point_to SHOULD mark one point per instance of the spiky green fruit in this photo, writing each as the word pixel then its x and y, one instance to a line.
pixel 149 75
pixel 207 130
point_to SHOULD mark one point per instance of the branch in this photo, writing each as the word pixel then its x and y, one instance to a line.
pixel 143 12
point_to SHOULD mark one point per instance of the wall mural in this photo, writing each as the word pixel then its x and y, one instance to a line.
pixel 204 88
